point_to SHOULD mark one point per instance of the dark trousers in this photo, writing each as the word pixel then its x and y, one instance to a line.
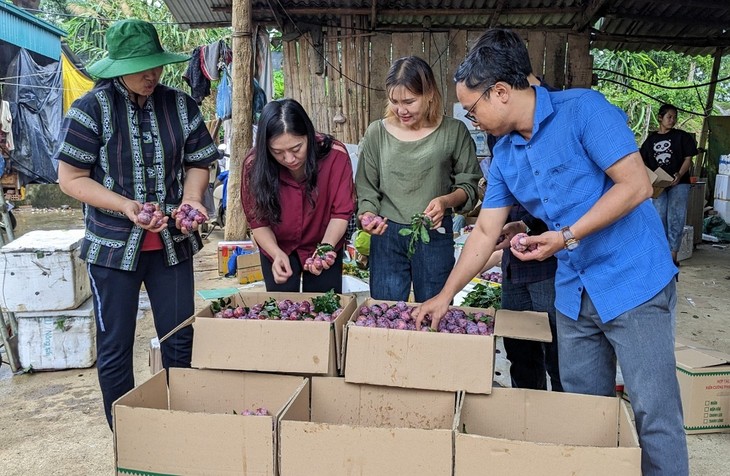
pixel 116 300
pixel 531 360
pixel 329 278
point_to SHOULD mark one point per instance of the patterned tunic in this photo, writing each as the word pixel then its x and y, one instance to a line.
pixel 141 154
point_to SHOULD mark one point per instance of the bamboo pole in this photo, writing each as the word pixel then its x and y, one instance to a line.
pixel 697 169
pixel 242 135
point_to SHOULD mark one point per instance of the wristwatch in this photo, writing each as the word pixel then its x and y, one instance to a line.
pixel 571 242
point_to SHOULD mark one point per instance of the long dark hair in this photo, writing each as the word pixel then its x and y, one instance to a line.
pixel 280 117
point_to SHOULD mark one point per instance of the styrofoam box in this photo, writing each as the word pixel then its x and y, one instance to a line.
pixel 722 186
pixel 722 207
pixel 43 271
pixel 685 248
pixel 55 340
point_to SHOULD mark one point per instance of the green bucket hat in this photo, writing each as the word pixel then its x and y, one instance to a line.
pixel 133 46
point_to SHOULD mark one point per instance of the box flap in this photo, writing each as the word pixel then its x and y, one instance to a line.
pixel 150 394
pixel 663 179
pixel 527 325
pixel 700 358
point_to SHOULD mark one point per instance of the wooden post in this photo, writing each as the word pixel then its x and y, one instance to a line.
pixel 697 168
pixel 242 135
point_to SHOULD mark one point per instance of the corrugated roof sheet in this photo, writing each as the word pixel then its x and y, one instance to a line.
pixel 22 29
pixel 694 27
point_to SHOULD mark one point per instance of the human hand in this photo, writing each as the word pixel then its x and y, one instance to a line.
pixel 508 232
pixel 435 211
pixel 435 308
pixel 281 268
pixel 370 223
pixel 676 179
pixel 540 247
pixel 182 216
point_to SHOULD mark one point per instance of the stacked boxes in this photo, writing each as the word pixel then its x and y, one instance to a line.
pixel 409 403
pixel 46 285
pixel 704 382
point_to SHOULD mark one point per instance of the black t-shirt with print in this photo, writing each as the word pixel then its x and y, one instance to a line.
pixel 668 151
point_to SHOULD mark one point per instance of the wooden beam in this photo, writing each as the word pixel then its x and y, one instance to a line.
pixel 313 11
pixel 718 4
pixel 496 13
pixel 374 15
pixel 242 136
pixel 664 40
pixel 589 15
pixel 662 20
pixel 697 168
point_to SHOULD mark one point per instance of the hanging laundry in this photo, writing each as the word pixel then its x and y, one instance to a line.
pixel 198 82
pixel 6 125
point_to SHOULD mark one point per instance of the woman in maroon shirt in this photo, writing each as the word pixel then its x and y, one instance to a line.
pixel 297 192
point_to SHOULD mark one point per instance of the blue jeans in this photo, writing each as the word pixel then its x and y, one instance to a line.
pixel 643 341
pixel 116 299
pixel 531 360
pixel 671 205
pixel 391 271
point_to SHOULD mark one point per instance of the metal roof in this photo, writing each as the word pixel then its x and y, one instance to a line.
pixel 22 29
pixel 693 27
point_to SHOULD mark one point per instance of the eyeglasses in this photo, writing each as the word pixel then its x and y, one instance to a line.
pixel 470 113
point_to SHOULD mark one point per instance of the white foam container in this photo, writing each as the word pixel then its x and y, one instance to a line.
pixel 56 340
pixel 43 271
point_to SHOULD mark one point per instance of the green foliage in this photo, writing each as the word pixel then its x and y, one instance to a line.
pixel 418 231
pixel 86 22
pixel 640 82
pixel 278 80
pixel 328 303
pixel 485 296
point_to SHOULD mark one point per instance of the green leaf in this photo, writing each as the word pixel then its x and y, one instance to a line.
pixel 328 303
pixel 405 232
pixel 425 237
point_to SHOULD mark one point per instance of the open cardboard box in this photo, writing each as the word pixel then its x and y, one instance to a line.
pixel 520 432
pixel 367 430
pixel 189 426
pixel 704 383
pixel 226 249
pixel 306 347
pixel 434 360
pixel 659 180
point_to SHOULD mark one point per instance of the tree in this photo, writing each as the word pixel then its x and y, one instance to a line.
pixel 86 22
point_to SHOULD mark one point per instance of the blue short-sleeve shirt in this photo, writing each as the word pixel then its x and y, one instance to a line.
pixel 558 175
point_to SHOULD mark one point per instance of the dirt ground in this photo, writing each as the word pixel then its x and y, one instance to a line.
pixel 52 423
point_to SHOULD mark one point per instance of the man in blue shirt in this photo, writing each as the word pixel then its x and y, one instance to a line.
pixel 569 158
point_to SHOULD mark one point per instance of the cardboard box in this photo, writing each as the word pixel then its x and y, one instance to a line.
pixel 434 360
pixel 248 268
pixel 521 432
pixel 369 431
pixel 43 271
pixel 659 180
pixel 57 340
pixel 704 382
pixel 307 347
pixel 189 426
pixel 226 249
pixel 687 245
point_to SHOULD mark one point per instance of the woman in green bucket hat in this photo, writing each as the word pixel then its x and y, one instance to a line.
pixel 131 151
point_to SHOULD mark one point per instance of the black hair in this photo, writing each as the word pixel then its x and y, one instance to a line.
pixel 498 55
pixel 280 117
pixel 665 108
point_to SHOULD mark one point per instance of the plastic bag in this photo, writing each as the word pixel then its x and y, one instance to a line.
pixel 224 98
pixel 362 242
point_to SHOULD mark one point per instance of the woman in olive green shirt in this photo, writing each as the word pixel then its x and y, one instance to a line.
pixel 414 160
